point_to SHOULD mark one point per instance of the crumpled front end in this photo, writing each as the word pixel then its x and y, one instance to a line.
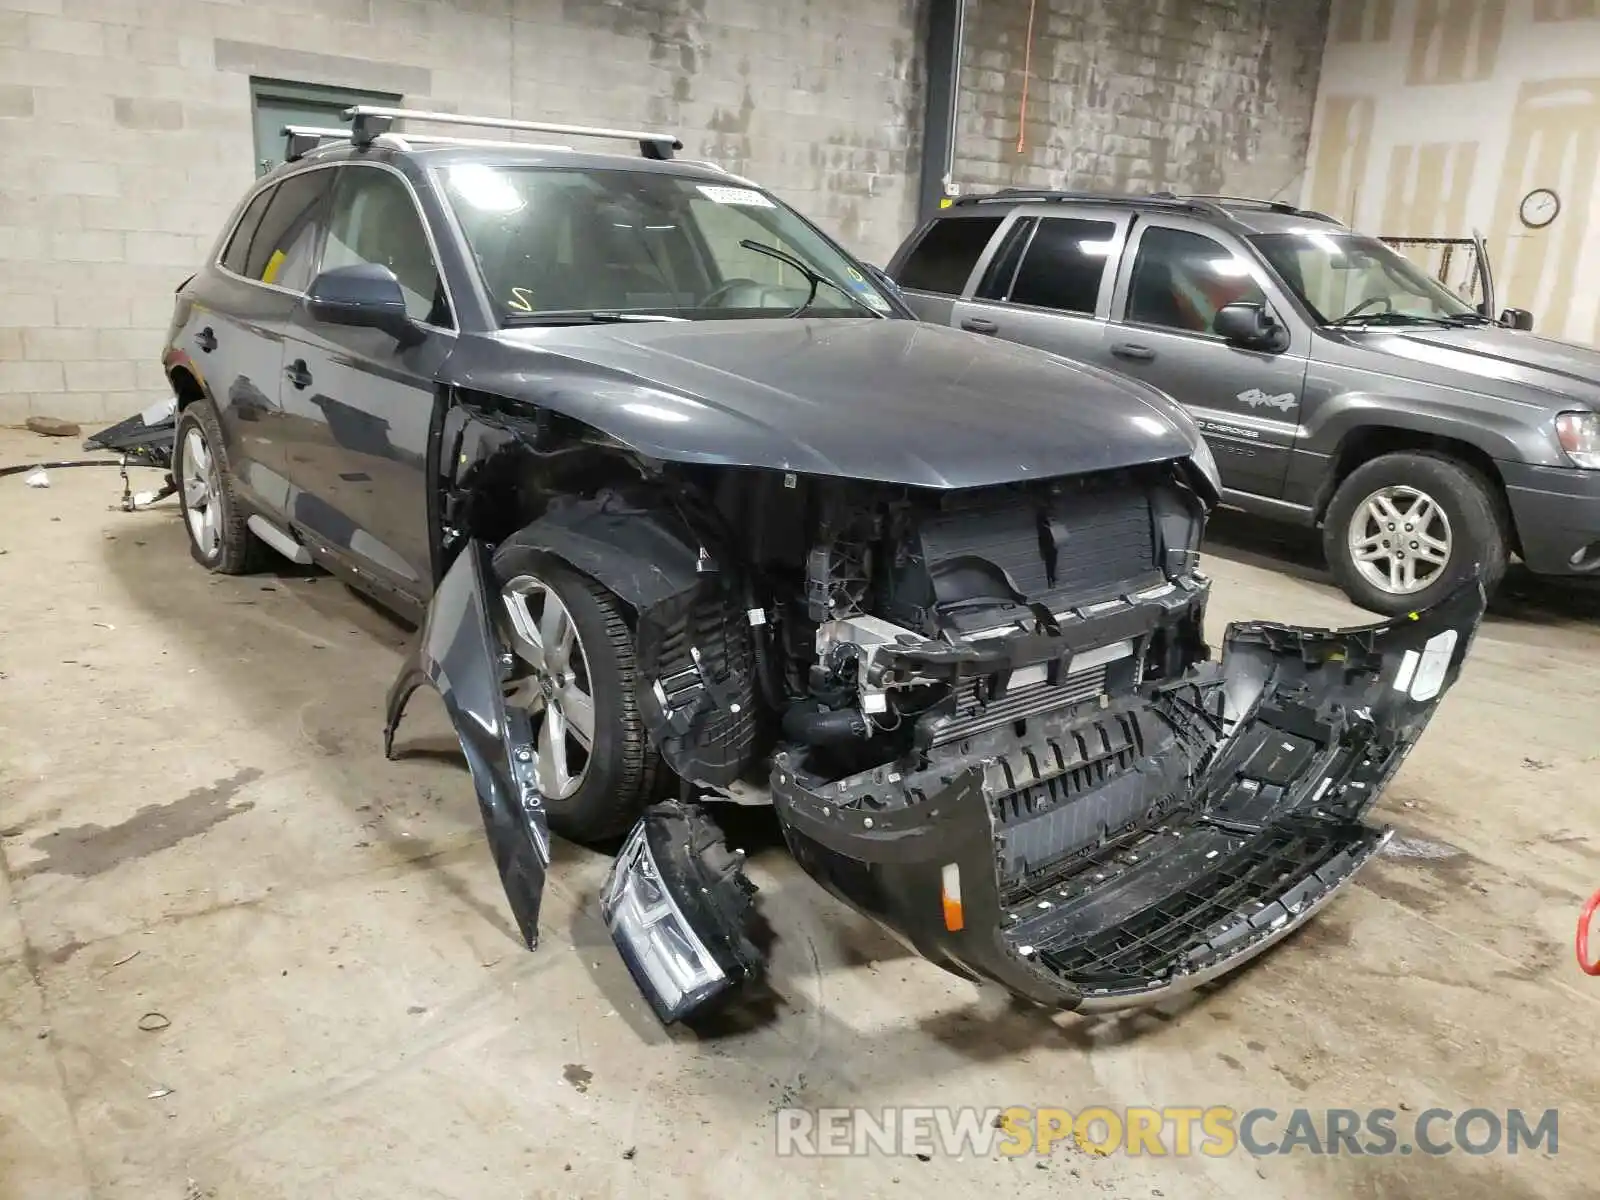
pixel 1104 858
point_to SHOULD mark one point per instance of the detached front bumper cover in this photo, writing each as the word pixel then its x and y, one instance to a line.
pixel 1107 860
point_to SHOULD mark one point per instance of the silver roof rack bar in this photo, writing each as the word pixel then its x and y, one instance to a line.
pixel 368 122
pixel 303 139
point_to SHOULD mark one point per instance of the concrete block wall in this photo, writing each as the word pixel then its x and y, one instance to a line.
pixel 1142 95
pixel 125 130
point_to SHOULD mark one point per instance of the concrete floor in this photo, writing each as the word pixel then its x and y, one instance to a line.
pixel 196 820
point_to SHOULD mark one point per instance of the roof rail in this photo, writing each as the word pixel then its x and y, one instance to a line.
pixel 1277 206
pixel 368 122
pixel 1044 195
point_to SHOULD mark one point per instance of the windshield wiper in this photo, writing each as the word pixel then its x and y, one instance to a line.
pixel 596 316
pixel 814 276
pixel 1387 318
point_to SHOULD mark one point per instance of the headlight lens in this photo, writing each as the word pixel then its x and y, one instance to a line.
pixel 675 970
pixel 1579 435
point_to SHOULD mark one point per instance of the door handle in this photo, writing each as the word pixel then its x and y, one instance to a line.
pixel 980 325
pixel 206 339
pixel 1137 353
pixel 298 374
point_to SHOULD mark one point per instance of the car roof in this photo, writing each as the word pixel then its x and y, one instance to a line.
pixel 1244 214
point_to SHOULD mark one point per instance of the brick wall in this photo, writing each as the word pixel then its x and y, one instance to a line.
pixel 1186 95
pixel 125 130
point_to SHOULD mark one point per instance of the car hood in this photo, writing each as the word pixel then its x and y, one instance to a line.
pixel 876 399
pixel 1499 362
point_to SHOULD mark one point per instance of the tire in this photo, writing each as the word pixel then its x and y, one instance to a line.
pixel 621 768
pixel 1369 511
pixel 208 500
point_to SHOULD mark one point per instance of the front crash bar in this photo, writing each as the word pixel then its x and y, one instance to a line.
pixel 460 654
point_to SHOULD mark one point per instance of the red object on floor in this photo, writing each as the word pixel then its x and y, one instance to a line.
pixel 1585 918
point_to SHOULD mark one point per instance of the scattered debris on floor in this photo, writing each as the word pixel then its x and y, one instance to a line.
pixel 52 427
pixel 158 1093
pixel 153 1022
pixel 39 479
pixel 579 1076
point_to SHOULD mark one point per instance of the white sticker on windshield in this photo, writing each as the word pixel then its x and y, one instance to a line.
pixel 733 195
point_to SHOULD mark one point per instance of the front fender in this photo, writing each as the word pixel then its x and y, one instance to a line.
pixel 460 654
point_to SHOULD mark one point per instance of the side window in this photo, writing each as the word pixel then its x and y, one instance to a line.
pixel 238 251
pixel 1064 264
pixel 285 242
pixel 1180 280
pixel 996 281
pixel 375 220
pixel 945 256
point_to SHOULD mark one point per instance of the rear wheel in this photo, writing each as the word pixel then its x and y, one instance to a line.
pixel 574 676
pixel 219 540
pixel 1405 530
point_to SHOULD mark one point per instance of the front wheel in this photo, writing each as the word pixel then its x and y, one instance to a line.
pixel 1405 530
pixel 575 678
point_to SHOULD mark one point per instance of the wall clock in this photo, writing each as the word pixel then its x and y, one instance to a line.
pixel 1539 208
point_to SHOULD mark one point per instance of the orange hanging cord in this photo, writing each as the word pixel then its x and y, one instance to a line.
pixel 1027 73
pixel 1586 918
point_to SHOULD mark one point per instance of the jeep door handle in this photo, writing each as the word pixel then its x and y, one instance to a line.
pixel 206 339
pixel 298 374
pixel 1137 353
pixel 980 325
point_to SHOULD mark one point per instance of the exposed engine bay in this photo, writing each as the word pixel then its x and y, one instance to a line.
pixel 987 718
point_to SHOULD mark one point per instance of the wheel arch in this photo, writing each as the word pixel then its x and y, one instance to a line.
pixel 1361 444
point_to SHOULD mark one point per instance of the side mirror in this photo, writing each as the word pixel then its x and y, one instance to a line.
pixel 1249 326
pixel 1517 318
pixel 364 294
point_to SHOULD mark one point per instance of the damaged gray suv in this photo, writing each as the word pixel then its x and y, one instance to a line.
pixel 691 509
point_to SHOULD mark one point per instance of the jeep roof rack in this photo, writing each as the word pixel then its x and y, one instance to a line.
pixel 1213 205
pixel 1013 195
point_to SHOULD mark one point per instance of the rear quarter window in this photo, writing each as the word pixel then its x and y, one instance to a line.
pixel 943 259
pixel 238 250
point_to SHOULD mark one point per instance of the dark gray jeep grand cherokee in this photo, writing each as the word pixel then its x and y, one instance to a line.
pixel 691 509
pixel 1337 384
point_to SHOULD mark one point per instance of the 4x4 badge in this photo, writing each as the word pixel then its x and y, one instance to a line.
pixel 1256 398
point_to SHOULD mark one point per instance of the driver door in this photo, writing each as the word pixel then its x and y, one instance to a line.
pixel 1175 276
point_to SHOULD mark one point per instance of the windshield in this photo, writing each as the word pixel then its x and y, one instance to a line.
pixel 590 244
pixel 1348 278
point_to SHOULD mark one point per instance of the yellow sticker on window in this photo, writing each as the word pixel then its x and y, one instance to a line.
pixel 270 275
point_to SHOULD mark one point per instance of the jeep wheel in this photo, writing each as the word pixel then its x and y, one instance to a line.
pixel 1405 530
pixel 218 537
pixel 575 678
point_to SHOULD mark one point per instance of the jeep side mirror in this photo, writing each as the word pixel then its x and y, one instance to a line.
pixel 1248 326
pixel 1517 318
pixel 364 294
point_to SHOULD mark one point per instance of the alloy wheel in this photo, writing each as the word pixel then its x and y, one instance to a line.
pixel 202 493
pixel 1400 540
pixel 554 685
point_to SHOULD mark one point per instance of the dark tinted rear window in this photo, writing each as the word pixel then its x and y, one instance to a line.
pixel 1064 264
pixel 239 245
pixel 945 256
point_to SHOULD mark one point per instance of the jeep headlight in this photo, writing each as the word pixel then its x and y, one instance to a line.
pixel 1579 435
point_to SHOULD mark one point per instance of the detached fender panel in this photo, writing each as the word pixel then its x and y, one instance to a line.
pixel 460 654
